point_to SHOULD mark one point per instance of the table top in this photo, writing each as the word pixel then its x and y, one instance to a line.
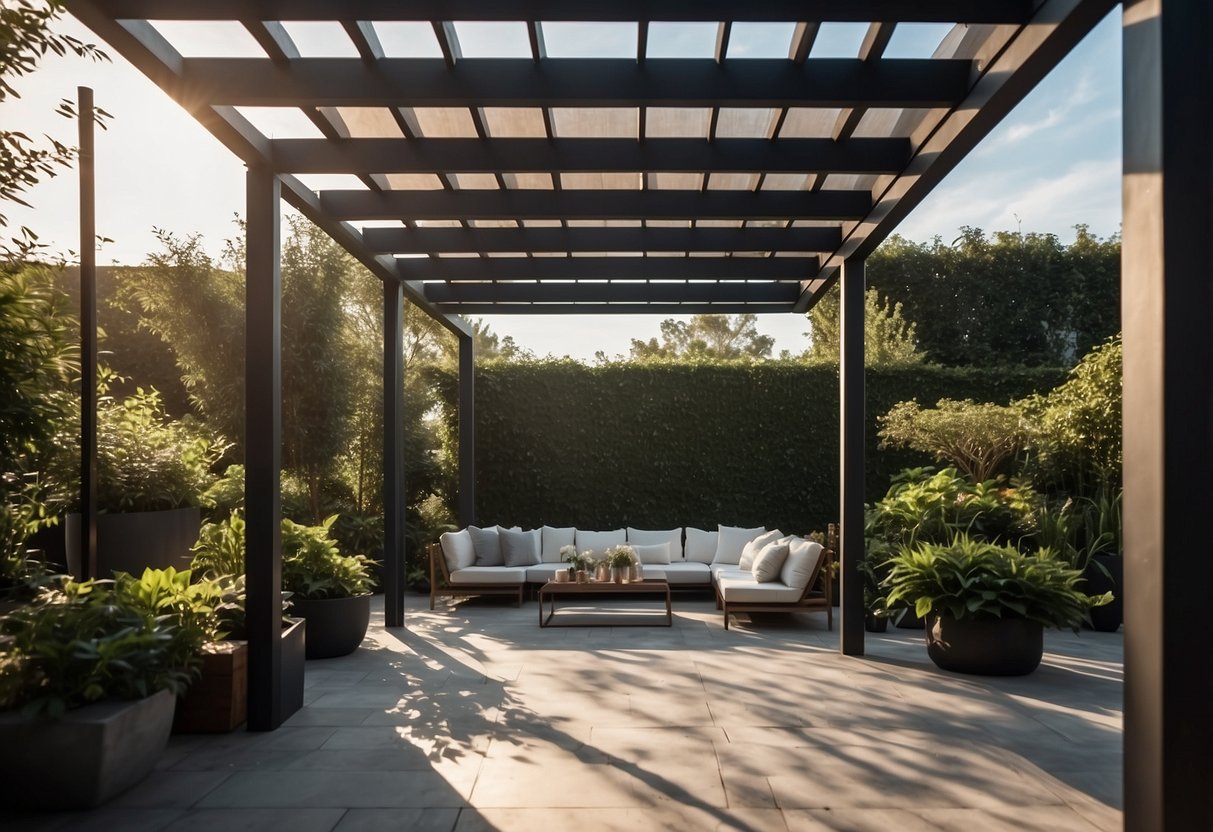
pixel 647 585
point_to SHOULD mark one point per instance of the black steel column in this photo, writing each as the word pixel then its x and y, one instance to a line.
pixel 263 451
pixel 88 338
pixel 467 431
pixel 851 454
pixel 393 454
pixel 1167 313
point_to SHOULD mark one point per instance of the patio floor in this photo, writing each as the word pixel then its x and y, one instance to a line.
pixel 476 719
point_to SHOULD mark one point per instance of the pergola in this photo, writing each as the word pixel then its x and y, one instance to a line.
pixel 542 183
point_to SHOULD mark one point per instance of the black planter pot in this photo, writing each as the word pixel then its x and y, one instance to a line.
pixel 985 646
pixel 132 541
pixel 294 654
pixel 335 626
pixel 907 619
pixel 874 624
pixel 1108 618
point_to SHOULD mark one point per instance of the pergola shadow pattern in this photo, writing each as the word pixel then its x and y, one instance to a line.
pixel 495 174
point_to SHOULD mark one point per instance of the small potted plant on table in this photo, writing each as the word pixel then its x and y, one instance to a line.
pixel 579 562
pixel 622 561
pixel 986 605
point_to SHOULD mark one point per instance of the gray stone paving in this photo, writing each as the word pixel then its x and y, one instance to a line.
pixel 476 719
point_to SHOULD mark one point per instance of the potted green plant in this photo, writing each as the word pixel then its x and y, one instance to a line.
pixel 219 555
pixel 87 688
pixel 622 561
pixel 985 604
pixel 151 473
pixel 579 562
pixel 1102 549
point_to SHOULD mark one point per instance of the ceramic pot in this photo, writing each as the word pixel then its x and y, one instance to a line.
pixel 985 646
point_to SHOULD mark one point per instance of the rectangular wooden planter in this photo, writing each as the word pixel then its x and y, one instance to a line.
pixel 217 702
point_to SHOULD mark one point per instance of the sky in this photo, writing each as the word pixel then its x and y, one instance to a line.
pixel 1054 162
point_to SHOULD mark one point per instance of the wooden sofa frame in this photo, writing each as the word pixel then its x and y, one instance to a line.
pixel 811 600
pixel 440 581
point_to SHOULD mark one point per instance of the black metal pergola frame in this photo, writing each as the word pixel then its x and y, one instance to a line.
pixel 546 185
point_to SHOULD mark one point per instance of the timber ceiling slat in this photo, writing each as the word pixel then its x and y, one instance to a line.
pixel 606 268
pixel 612 292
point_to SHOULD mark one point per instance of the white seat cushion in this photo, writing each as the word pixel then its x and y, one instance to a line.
pixel 503 575
pixel 750 551
pixel 554 539
pixel 729 570
pixel 643 537
pixel 599 542
pixel 701 545
pixel 803 556
pixel 656 553
pixel 740 591
pixel 457 550
pixel 732 541
pixel 682 572
pixel 544 572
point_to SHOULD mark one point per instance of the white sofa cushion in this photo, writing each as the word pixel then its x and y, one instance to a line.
pixel 803 556
pixel 743 591
pixel 519 548
pixel 768 565
pixel 599 542
pixel 656 553
pixel 644 537
pixel 555 539
pixel 682 572
pixel 732 540
pixel 457 550
pixel 543 573
pixel 751 549
pixel 487 543
pixel 701 545
pixel 488 575
pixel 729 570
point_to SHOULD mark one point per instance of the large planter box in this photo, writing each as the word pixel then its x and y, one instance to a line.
pixel 985 646
pixel 217 701
pixel 82 760
pixel 132 541
pixel 294 658
pixel 335 626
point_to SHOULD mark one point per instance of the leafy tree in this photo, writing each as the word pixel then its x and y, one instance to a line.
pixel 708 337
pixel 976 438
pixel 1077 427
pixel 25 38
pixel 889 339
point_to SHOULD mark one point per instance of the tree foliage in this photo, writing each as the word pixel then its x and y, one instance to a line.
pixel 26 36
pixel 1007 298
pixel 976 438
pixel 890 340
pixel 1077 427
pixel 706 337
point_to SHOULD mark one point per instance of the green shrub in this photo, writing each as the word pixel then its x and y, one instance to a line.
pixel 976 438
pixel 84 642
pixel 967 578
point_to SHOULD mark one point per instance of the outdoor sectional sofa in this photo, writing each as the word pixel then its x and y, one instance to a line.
pixel 750 570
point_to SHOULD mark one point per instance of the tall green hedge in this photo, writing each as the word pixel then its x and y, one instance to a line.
pixel 664 445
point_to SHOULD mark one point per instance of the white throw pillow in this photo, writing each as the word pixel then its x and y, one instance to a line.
pixel 769 562
pixel 801 563
pixel 457 550
pixel 519 548
pixel 654 553
pixel 732 540
pixel 701 545
pixel 599 542
pixel 751 549
pixel 643 537
pixel 554 540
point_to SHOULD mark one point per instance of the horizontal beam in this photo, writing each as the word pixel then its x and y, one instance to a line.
pixel 484 240
pixel 612 292
pixel 664 309
pixel 595 205
pixel 926 11
pixel 363 156
pixel 573 82
pixel 605 268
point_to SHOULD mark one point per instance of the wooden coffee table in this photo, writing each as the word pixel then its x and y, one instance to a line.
pixel 659 587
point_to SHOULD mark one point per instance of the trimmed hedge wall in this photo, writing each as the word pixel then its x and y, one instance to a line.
pixel 664 445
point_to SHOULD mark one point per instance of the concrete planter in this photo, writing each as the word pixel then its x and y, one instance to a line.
pixel 82 760
pixel 294 656
pixel 130 542
pixel 1106 573
pixel 335 626
pixel 985 646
